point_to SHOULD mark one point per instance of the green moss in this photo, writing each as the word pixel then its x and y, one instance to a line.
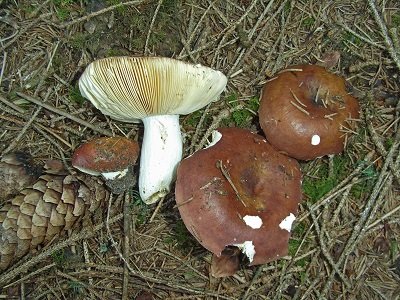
pixel 104 247
pixel 294 244
pixel 303 278
pixel 64 3
pixel 286 7
pixel 348 36
pixel 369 172
pixel 139 22
pixel 193 119
pixel 396 20
pixel 316 188
pixel 169 6
pixel 62 14
pixel 76 287
pixel 121 9
pixel 364 188
pixel 242 117
pixel 139 208
pixel 389 143
pixel 180 236
pixel 79 40
pixel 308 22
pixel 59 257
pixel 27 8
pixel 75 95
pixel 296 240
pixel 65 7
pixel 115 52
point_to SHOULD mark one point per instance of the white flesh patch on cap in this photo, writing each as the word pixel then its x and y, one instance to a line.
pixel 113 175
pixel 161 152
pixel 315 140
pixel 287 222
pixel 247 249
pixel 254 222
pixel 87 171
pixel 216 136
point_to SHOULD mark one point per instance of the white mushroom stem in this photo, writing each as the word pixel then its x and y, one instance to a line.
pixel 161 152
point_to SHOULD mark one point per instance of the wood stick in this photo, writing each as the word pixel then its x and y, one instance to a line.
pixel 65 114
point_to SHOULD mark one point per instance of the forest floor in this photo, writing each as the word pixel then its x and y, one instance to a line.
pixel 345 241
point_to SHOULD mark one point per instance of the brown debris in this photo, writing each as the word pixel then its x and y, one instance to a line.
pixel 227 264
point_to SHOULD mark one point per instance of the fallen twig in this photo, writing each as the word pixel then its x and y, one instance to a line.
pixel 65 114
pixel 361 225
pixel 84 234
pixel 146 49
pixel 388 41
pixel 97 13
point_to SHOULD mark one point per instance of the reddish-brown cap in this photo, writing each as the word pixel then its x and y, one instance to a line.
pixel 105 154
pixel 306 112
pixel 240 192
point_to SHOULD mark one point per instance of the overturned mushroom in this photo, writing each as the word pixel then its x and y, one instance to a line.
pixel 155 90
pixel 111 157
pixel 306 112
pixel 239 192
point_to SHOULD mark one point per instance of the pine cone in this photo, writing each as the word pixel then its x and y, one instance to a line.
pixel 55 202
pixel 17 171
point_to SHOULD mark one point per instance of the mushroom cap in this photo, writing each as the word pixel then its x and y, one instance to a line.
pixel 105 154
pixel 261 210
pixel 132 88
pixel 295 123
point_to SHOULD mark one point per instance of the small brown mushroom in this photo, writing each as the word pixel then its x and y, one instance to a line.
pixel 239 192
pixel 306 112
pixel 111 157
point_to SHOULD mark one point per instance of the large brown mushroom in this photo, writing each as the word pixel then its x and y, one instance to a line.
pixel 306 112
pixel 239 192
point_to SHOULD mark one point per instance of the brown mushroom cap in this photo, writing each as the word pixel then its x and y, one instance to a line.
pixel 240 177
pixel 105 154
pixel 305 111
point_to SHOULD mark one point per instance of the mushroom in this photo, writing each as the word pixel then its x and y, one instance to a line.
pixel 111 157
pixel 306 112
pixel 155 90
pixel 239 192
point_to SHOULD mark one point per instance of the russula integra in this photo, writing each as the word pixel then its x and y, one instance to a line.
pixel 306 112
pixel 155 90
pixel 111 157
pixel 239 192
